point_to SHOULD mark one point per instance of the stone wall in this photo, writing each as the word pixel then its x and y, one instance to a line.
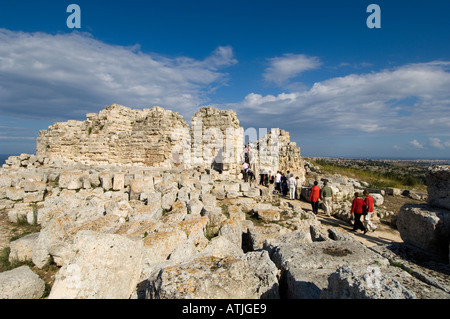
pixel 156 137
pixel 217 140
pixel 276 152
pixel 118 135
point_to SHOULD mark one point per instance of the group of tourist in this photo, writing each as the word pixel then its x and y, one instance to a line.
pixel 285 183
pixel 360 207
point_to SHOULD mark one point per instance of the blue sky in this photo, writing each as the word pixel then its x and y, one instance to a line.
pixel 313 68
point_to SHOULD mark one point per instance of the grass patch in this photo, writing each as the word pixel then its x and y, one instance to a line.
pixel 378 180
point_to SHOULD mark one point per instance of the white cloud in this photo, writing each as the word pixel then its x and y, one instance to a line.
pixel 436 142
pixel 65 75
pixel 416 144
pixel 408 99
pixel 289 66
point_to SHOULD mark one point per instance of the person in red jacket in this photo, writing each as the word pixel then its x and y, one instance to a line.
pixel 369 201
pixel 357 209
pixel 314 198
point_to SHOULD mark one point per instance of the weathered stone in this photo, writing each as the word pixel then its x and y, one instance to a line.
pixel 438 184
pixel 71 180
pixel 195 206
pixel 168 200
pixel 158 246
pixel 248 277
pixel 121 209
pixel 34 186
pixel 15 194
pixel 364 282
pixel 104 266
pixel 118 181
pixel 232 230
pixel 21 283
pixel 425 226
pixel 305 268
pixel 106 180
pixel 22 249
pixel 256 235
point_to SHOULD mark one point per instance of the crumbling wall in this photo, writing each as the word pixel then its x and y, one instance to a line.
pixel 117 135
pixel 156 137
pixel 217 140
pixel 276 152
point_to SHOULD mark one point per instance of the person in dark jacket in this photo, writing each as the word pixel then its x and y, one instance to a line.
pixel 357 209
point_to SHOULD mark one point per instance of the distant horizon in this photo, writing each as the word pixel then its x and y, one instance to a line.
pixel 4 157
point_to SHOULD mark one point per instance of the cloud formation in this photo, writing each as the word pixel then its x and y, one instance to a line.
pixel 282 69
pixel 405 100
pixel 68 75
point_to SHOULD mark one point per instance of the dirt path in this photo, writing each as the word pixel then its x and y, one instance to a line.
pixel 384 234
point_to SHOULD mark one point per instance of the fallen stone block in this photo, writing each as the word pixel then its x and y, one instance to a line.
pixel 305 268
pixel 21 283
pixel 105 266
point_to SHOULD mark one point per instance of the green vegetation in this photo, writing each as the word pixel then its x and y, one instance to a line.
pixel 376 177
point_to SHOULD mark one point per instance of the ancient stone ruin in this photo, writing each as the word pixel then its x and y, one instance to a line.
pixel 155 137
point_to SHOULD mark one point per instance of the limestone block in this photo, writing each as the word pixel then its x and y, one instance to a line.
pixel 158 246
pixel 33 197
pixel 71 180
pixel 209 201
pixel 22 249
pixel 438 184
pixel 118 181
pixel 253 192
pixel 122 209
pixel 20 212
pixel 15 193
pixel 168 200
pixel 195 206
pixel 105 266
pixel 258 234
pixel 231 229
pixel 21 283
pixel 250 276
pixel 378 199
pixel 106 180
pixel 34 186
pixel 306 267
pixel 194 227
pixel 5 181
pixel 364 282
pixel 215 216
pixel 425 226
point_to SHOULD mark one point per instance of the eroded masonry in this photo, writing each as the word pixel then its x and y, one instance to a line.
pixel 156 137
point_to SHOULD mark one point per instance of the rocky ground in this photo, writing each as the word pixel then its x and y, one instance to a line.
pixel 189 234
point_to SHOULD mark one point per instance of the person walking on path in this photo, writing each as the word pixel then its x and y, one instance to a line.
pixel 292 186
pixel 326 195
pixel 314 197
pixel 357 209
pixel 369 202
